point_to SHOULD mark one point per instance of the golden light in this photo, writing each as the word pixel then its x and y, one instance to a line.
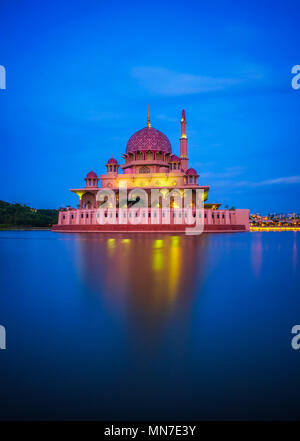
pixel 158 243
pixel 157 258
pixel 175 240
pixel 111 243
pixel 80 193
pixel 126 241
pixel 174 265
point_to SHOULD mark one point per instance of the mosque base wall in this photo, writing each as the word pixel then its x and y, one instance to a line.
pixel 215 221
pixel 178 229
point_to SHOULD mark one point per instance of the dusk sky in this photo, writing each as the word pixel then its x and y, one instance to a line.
pixel 80 75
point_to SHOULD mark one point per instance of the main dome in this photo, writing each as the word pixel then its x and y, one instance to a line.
pixel 148 139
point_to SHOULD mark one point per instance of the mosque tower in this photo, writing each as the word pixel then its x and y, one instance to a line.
pixel 183 144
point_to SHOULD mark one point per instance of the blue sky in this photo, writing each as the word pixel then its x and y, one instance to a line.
pixel 80 75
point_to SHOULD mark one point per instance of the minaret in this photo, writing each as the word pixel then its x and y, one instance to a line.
pixel 183 143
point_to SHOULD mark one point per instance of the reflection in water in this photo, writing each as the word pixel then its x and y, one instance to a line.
pixel 145 277
pixel 256 254
pixel 295 251
pixel 175 265
pixel 156 327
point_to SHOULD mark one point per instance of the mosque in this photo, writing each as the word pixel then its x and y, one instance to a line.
pixel 148 164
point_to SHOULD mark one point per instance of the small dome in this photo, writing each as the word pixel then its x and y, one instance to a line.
pixel 191 171
pixel 174 158
pixel 91 175
pixel 148 139
pixel 112 161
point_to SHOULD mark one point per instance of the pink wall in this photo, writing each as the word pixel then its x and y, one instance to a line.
pixel 216 218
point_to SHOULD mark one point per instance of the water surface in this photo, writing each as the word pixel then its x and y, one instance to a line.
pixel 149 326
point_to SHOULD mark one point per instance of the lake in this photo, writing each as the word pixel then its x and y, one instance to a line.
pixel 149 326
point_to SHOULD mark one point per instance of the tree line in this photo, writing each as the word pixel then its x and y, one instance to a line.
pixel 21 215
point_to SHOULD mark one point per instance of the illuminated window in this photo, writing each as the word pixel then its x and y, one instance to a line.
pixel 149 156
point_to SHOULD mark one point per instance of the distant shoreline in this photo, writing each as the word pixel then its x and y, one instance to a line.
pixel 21 217
pixel 274 228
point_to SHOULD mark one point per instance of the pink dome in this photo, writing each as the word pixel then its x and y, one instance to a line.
pixel 174 158
pixel 191 171
pixel 112 161
pixel 148 139
pixel 91 175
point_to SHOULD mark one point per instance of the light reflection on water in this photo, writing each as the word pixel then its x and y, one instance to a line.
pixel 146 277
pixel 295 251
pixel 257 254
pixel 149 326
